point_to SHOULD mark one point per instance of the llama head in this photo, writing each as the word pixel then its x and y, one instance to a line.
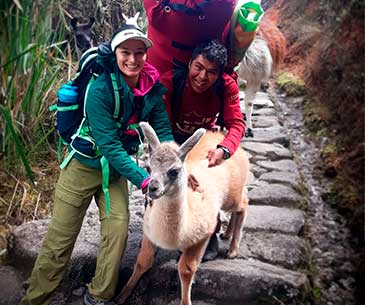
pixel 166 163
pixel 83 34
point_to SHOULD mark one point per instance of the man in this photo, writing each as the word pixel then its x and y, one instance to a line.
pixel 200 96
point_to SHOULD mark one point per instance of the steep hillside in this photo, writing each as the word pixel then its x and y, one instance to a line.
pixel 326 49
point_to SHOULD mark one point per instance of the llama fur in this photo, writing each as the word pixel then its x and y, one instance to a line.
pixel 183 218
pixel 263 57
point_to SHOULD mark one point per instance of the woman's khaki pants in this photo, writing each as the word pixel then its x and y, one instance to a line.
pixel 76 186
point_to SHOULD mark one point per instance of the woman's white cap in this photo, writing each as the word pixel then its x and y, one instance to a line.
pixel 129 32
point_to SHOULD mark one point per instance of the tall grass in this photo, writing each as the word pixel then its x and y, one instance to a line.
pixel 31 38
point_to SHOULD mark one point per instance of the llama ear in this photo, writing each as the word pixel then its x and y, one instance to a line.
pixel 190 143
pixel 74 23
pixel 125 17
pixel 91 22
pixel 150 135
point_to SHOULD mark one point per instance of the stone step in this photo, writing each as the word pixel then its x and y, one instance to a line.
pixel 262 100
pixel 259 242
pixel 274 219
pixel 273 152
pixel 11 283
pixel 275 134
pixel 275 194
pixel 234 282
pixel 283 250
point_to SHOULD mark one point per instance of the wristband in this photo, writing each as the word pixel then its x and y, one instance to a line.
pixel 226 152
pixel 145 182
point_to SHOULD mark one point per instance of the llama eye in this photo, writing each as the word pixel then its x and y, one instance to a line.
pixel 173 173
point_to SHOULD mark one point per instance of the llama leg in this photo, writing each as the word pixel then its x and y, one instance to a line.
pixel 238 225
pixel 250 95
pixel 188 264
pixel 237 233
pixel 144 263
pixel 228 233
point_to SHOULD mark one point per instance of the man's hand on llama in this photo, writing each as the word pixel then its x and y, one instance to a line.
pixel 215 157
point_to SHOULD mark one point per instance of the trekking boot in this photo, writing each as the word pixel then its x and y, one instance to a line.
pixel 90 300
pixel 211 252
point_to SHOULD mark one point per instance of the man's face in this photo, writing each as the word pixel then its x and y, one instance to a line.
pixel 202 74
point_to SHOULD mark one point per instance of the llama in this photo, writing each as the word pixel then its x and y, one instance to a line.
pixel 82 35
pixel 182 216
pixel 262 58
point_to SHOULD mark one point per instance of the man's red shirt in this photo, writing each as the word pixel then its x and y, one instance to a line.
pixel 200 110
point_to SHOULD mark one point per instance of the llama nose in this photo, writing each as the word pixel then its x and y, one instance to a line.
pixel 153 186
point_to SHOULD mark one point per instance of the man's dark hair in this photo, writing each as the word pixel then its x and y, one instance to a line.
pixel 213 51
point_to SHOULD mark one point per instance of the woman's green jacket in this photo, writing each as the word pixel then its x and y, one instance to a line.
pixel 109 133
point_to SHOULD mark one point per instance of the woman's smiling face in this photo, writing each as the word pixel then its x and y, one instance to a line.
pixel 131 56
pixel 202 74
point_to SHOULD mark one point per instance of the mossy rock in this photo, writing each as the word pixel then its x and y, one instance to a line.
pixel 316 117
pixel 290 84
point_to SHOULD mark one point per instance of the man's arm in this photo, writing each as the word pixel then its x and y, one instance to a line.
pixel 232 115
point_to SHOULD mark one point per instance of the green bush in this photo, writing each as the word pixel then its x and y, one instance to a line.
pixel 290 84
pixel 31 59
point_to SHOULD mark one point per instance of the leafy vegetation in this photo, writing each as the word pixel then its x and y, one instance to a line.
pixel 291 84
pixel 35 58
pixel 31 61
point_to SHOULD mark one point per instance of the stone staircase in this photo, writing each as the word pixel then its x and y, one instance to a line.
pixel 272 261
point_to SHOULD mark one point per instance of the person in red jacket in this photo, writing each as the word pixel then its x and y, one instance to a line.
pixel 201 95
pixel 177 26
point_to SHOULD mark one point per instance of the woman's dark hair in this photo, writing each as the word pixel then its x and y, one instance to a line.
pixel 213 51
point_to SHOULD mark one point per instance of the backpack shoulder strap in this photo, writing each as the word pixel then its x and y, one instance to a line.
pixel 180 72
pixel 196 10
pixel 115 91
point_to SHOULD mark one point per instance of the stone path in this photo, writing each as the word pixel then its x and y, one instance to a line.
pixel 272 264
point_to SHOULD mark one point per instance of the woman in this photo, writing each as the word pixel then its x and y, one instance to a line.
pixel 140 99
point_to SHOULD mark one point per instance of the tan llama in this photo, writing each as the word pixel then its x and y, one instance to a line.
pixel 182 217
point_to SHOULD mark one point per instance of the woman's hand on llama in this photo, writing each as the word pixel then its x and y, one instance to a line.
pixel 144 185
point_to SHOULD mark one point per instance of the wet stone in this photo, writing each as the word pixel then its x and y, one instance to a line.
pixel 262 99
pixel 279 249
pixel 255 158
pixel 251 178
pixel 255 281
pixel 281 165
pixel 11 284
pixel 276 195
pixel 271 151
pixel 264 121
pixel 269 135
pixel 272 219
pixel 290 178
pixel 262 112
pixel 257 170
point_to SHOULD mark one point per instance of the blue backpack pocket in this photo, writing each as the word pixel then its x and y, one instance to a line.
pixel 69 112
